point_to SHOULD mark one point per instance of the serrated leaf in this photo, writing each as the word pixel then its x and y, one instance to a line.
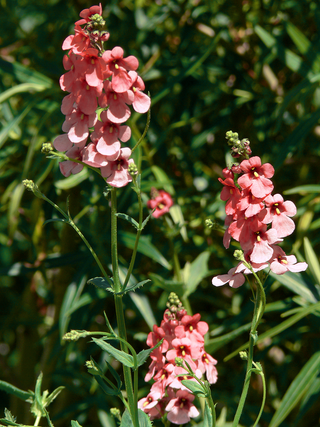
pixel 297 389
pixel 21 394
pixel 101 283
pixel 134 286
pixel 144 354
pixel 198 271
pixel 145 221
pixel 129 219
pixel 194 387
pixel 312 260
pixel 121 356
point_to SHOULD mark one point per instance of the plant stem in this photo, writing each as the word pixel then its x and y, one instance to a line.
pixel 119 308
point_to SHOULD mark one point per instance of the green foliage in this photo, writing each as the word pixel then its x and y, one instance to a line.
pixel 209 66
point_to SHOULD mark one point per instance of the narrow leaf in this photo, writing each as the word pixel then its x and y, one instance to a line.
pixel 101 283
pixel 129 219
pixel 108 390
pixel 194 387
pixel 312 260
pixel 121 356
pixel 11 389
pixel 297 389
pixel 53 395
pixel 296 284
pixel 198 271
pixel 75 424
pixel 207 416
pixel 135 286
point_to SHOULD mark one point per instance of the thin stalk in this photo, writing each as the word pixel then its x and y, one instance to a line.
pixel 213 409
pixel 263 397
pixel 134 253
pixel 119 308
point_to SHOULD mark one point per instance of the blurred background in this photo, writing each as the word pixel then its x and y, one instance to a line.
pixel 210 66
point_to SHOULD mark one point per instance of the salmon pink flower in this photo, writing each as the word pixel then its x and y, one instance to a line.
pixel 256 176
pixel 141 102
pixel 116 171
pixel 234 279
pixel 280 263
pixel 278 212
pixel 161 201
pixel 181 409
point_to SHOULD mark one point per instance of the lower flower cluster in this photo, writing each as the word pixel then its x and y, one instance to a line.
pixel 183 341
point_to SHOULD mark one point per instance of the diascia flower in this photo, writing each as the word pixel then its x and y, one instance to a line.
pixel 255 218
pixel 161 201
pixel 183 338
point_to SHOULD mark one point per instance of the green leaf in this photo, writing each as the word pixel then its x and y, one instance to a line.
pixel 312 260
pixel 24 87
pixel 115 375
pixel 75 424
pixel 168 285
pixel 129 219
pixel 108 390
pixel 304 189
pixel 144 419
pixel 145 247
pixel 296 284
pixel 198 270
pixel 297 389
pixel 55 220
pixel 194 387
pixel 145 221
pixel 134 286
pixel 25 74
pixel 163 179
pixel 144 354
pixel 4 133
pixel 121 356
pixel 177 217
pixel 303 312
pixel 215 343
pixel 207 416
pixel 143 305
pixel 101 283
pixel 298 38
pixel 72 180
pixel 21 394
pixel 53 395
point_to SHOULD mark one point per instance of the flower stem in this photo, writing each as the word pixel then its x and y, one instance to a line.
pixel 120 309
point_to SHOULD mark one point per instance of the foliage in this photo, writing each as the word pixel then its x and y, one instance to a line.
pixel 251 66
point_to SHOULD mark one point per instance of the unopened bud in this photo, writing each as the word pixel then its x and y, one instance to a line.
pixel 115 412
pixel 179 362
pixel 31 186
pixel 132 169
pixel 46 148
pixel 243 355
pixel 74 335
pixel 91 368
pixel 238 254
pixel 209 223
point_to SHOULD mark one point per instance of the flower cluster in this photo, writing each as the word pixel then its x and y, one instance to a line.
pixel 257 220
pixel 104 79
pixel 161 201
pixel 183 341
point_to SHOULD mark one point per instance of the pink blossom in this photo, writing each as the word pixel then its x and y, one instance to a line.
pixel 91 157
pixel 77 125
pixel 256 176
pixel 62 143
pixel 207 365
pixel 141 102
pixel 231 193
pixel 280 263
pixel 192 328
pixel 118 111
pixel 162 202
pixel 69 167
pixel 234 279
pixel 116 171
pixel 181 408
pixel 259 240
pixel 118 66
pixel 277 211
pixel 249 204
pixel 87 13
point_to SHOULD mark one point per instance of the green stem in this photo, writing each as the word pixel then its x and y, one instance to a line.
pixel 259 307
pixel 263 397
pixel 134 253
pixel 213 409
pixel 120 309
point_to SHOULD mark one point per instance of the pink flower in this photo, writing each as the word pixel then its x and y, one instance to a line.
pixel 118 66
pixel 162 202
pixel 234 279
pixel 69 167
pixel 87 13
pixel 77 125
pixel 207 364
pixel 118 111
pixel 141 102
pixel 280 263
pixel 181 408
pixel 231 193
pixel 259 240
pixel 116 171
pixel 256 176
pixel 278 212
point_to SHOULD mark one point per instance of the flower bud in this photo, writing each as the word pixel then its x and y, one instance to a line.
pixel 46 148
pixel 132 169
pixel 238 254
pixel 243 355
pixel 115 412
pixel 91 368
pixel 31 186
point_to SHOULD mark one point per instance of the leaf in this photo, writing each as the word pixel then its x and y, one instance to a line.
pixel 168 285
pixel 144 419
pixel 72 180
pixel 304 189
pixel 11 389
pixel 24 87
pixel 101 283
pixel 144 354
pixel 121 356
pixel 207 416
pixel 177 217
pixel 163 179
pixel 303 312
pixel 75 424
pixel 108 390
pixel 55 220
pixel 312 260
pixel 53 395
pixel 297 389
pixel 194 387
pixel 145 247
pixel 129 219
pixel 198 271
pixel 135 286
pixel 145 221
pixel 296 284
pixel 214 344
pixel 143 305
pixel 13 123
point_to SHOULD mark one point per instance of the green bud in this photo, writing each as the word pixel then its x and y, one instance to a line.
pixel 238 254
pixel 243 355
pixel 209 223
pixel 31 186
pixel 179 362
pixel 132 169
pixel 91 368
pixel 115 412
pixel 46 148
pixel 96 20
